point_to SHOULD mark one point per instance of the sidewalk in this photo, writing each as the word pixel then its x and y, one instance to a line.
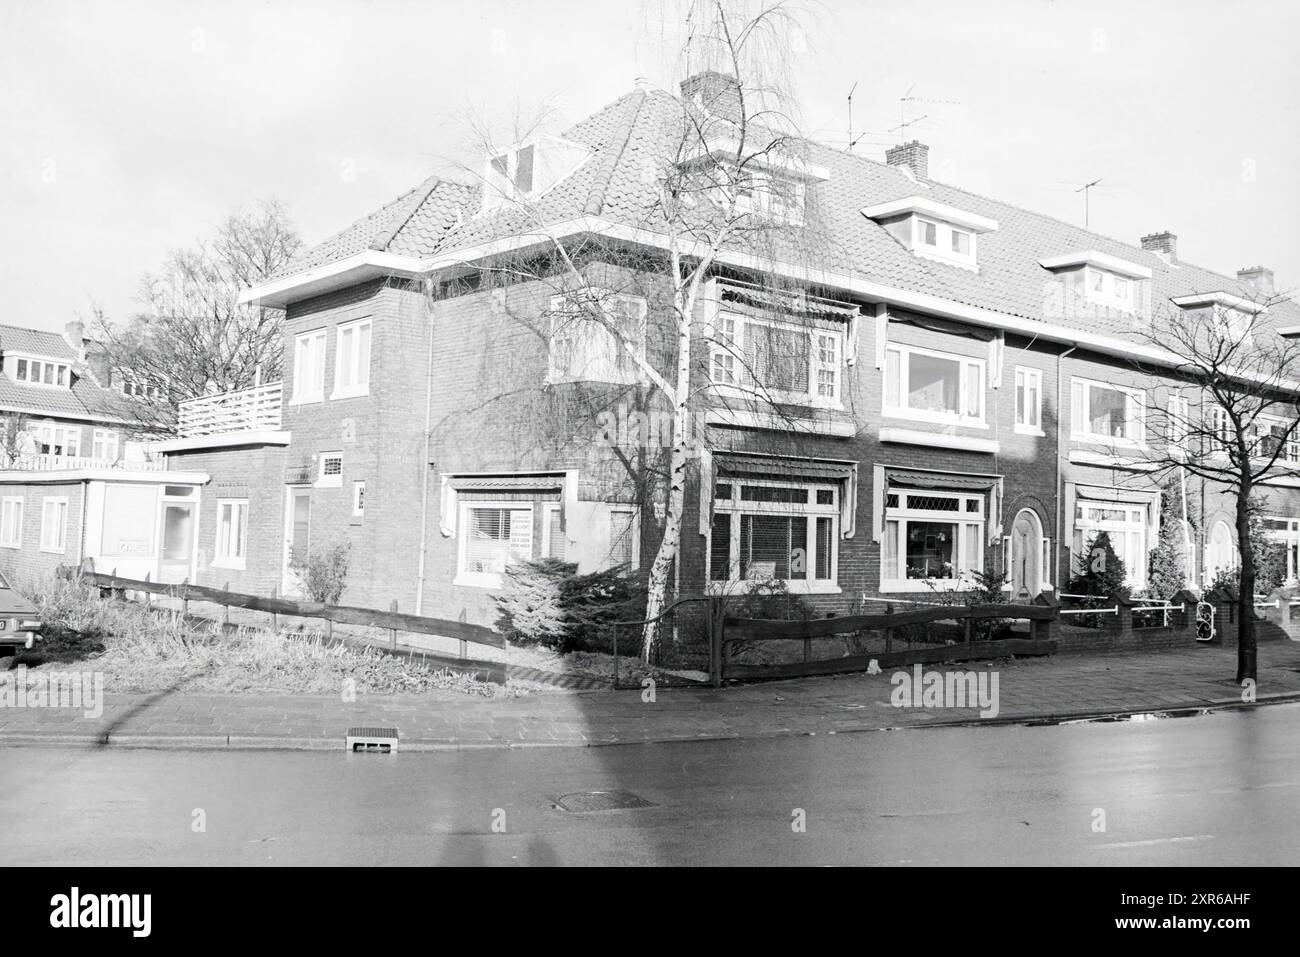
pixel 1031 689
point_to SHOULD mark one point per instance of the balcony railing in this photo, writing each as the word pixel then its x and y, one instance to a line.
pixel 247 410
pixel 51 463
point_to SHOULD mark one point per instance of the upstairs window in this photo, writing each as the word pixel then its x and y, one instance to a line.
pixel 933 386
pixel 1103 288
pixel 936 239
pixel 309 367
pixel 527 170
pixel 1106 413
pixel 105 445
pixel 352 360
pixel 770 195
pixel 590 334
pixel 57 440
pixel 40 371
pixel 1029 401
pixel 781 361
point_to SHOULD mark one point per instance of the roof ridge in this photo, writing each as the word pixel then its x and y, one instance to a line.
pixel 386 237
pixel 596 200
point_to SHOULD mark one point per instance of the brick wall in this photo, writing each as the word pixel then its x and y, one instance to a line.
pixel 30 564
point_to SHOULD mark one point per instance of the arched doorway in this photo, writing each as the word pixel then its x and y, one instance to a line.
pixel 1220 553
pixel 1026 571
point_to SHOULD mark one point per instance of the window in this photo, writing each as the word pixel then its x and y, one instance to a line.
pixel 309 367
pixel 492 537
pixel 769 195
pixel 1103 288
pixel 933 386
pixel 509 176
pixel 331 470
pixel 584 344
pixel 11 522
pixel 1219 426
pixel 932 539
pixel 358 499
pixel 54 521
pixel 1287 532
pixel 105 445
pixel 57 440
pixel 352 360
pixel 775 531
pixel 554 544
pixel 1125 525
pixel 232 533
pixel 1177 423
pixel 40 371
pixel 1029 401
pixel 781 361
pixel 1272 435
pixel 1220 552
pixel 1234 323
pixel 944 242
pixel 1106 413
pixel 622 537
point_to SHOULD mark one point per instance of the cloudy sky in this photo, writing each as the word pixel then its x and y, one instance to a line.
pixel 127 128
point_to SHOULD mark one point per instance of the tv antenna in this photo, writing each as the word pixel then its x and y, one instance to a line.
pixel 906 98
pixel 1086 189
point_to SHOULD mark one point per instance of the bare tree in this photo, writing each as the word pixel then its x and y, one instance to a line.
pixel 193 336
pixel 714 191
pixel 1228 411
pixel 14 439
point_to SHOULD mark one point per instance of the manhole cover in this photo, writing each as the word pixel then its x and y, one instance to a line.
pixel 582 801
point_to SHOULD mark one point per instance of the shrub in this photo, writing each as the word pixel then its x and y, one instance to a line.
pixel 324 574
pixel 546 602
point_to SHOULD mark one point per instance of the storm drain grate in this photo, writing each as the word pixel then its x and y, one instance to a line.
pixel 377 740
pixel 582 801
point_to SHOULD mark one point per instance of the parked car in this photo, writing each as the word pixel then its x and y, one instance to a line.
pixel 19 623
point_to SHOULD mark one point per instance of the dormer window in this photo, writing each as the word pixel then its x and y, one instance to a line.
pixel 1099 278
pixel 1233 314
pixel 526 171
pixel 934 230
pixel 772 196
pixel 39 371
pixel 770 183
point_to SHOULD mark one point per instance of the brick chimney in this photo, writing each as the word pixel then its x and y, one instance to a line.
pixel 75 334
pixel 914 155
pixel 715 93
pixel 1259 279
pixel 1164 245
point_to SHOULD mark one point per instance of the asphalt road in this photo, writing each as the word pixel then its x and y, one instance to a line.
pixel 1216 789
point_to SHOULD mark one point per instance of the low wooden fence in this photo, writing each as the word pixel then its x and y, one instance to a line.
pixel 392 621
pixel 732 631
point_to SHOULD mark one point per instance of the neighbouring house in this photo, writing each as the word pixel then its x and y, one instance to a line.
pixel 948 386
pixel 78 478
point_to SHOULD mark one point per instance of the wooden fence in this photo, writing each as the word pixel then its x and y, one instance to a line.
pixel 733 630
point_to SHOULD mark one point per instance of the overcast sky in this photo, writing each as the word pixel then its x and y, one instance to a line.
pixel 127 128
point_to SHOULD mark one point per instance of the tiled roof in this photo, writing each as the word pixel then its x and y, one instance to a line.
pixel 37 342
pixel 85 399
pixel 631 138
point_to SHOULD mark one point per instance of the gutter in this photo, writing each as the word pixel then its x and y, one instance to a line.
pixel 1061 448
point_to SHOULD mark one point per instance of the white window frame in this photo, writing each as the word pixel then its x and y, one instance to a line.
pixel 104 444
pixel 359 498
pixel 301 394
pixel 969 523
pixel 1088 527
pixel 736 507
pixel 1117 292
pixel 61 369
pixel 758 197
pixel 61 530
pixel 1026 378
pixel 942 250
pixel 1288 537
pixel 550 509
pixel 727 352
pixel 332 480
pixel 59 435
pixel 1079 420
pixel 349 362
pixel 485 579
pixel 11 521
pixel 1291 454
pixel 632 374
pixel 966 366
pixel 221 556
pixel 634 531
pixel 1177 423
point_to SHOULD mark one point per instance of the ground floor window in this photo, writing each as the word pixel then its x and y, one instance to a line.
pixel 1220 552
pixel 495 536
pixel 232 532
pixel 54 524
pixel 932 538
pixel 622 538
pixel 775 531
pixel 1287 532
pixel 11 523
pixel 1125 526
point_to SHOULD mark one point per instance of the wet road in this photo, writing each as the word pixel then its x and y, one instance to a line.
pixel 1216 789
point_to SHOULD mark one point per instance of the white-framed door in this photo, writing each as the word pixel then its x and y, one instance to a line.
pixel 297 536
pixel 1026 571
pixel 178 531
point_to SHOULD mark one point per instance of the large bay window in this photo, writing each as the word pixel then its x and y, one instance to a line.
pixel 591 331
pixel 933 386
pixel 1286 531
pixel 932 539
pixel 1125 525
pixel 493 536
pixel 781 361
pixel 1106 413
pixel 766 531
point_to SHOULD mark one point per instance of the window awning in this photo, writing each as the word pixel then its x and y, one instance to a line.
pixel 724 465
pixel 908 478
pixel 774 300
pixel 885 477
pixel 539 482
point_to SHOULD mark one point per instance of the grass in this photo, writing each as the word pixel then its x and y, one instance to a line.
pixel 139 649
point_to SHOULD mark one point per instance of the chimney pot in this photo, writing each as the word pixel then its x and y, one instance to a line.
pixel 1164 245
pixel 914 156
pixel 1259 279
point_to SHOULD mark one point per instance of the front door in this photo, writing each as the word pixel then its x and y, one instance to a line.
pixel 297 537
pixel 1026 576
pixel 177 553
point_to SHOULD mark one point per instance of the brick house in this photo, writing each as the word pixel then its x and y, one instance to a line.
pixel 75 461
pixel 947 382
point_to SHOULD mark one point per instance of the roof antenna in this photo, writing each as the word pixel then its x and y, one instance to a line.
pixel 1086 189
pixel 851 140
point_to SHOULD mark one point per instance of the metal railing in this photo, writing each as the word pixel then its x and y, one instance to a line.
pixel 245 410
